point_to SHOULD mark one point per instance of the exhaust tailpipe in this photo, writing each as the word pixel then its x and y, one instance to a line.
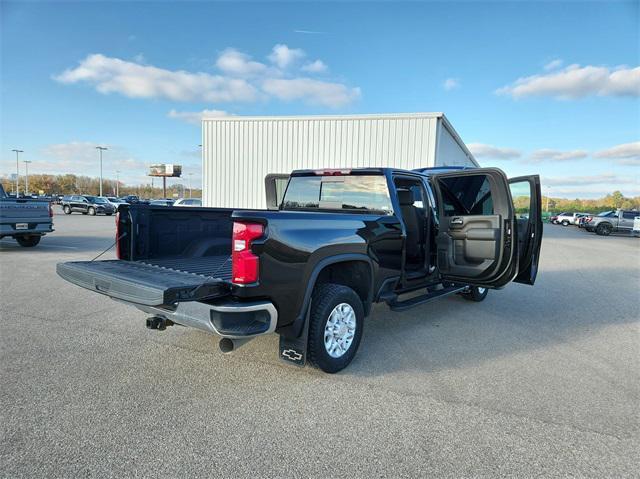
pixel 228 345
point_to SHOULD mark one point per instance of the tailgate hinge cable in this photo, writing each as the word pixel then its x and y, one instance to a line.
pixel 114 243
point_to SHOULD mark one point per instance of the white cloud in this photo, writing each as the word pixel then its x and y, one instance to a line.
pixel 625 154
pixel 237 63
pixel 309 32
pixel 547 154
pixel 315 92
pixel 553 64
pixel 602 179
pixel 112 75
pixel 576 81
pixel 317 66
pixel 242 80
pixel 283 56
pixel 590 186
pixel 195 117
pixel 451 84
pixel 493 152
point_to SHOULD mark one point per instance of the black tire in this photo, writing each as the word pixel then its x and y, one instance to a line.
pixel 107 214
pixel 66 209
pixel 91 211
pixel 326 297
pixel 28 241
pixel 604 229
pixel 476 294
pixel 565 223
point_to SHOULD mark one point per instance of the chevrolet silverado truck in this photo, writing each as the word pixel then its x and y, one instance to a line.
pixel 339 241
pixel 611 221
pixel 24 219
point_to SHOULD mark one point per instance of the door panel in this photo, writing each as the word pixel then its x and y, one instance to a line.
pixel 476 235
pixel 527 201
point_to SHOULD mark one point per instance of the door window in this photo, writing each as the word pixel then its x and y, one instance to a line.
pixel 521 195
pixel 466 195
pixel 629 215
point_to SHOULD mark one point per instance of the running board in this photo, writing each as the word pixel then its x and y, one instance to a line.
pixel 396 305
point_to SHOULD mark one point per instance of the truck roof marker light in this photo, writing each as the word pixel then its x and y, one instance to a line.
pixel 332 172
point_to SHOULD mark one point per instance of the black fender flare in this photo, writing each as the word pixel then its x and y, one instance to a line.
pixel 296 328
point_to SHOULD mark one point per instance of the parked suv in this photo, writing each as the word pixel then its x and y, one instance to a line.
pixel 87 205
pixel 612 221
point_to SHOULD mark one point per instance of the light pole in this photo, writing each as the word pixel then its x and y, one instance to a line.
pixel 17 170
pixel 189 175
pixel 26 177
pixel 117 183
pixel 548 189
pixel 101 149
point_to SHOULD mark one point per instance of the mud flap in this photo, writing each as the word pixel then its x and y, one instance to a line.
pixel 294 350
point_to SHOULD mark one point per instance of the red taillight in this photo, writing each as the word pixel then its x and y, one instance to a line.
pixel 589 219
pixel 245 265
pixel 118 235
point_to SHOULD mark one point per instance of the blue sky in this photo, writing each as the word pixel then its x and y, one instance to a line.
pixel 549 88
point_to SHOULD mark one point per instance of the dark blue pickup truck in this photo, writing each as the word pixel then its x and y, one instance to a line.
pixel 26 220
pixel 339 241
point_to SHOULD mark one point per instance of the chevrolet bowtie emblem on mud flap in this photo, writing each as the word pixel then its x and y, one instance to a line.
pixel 292 355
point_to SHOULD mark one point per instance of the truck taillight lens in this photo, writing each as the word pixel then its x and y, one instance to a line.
pixel 245 267
pixel 50 211
pixel 118 235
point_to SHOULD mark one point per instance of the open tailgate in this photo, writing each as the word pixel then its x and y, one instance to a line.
pixel 142 283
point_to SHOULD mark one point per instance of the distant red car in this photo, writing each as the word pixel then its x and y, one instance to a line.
pixel 554 219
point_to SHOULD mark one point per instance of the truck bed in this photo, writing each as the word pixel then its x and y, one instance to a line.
pixel 217 266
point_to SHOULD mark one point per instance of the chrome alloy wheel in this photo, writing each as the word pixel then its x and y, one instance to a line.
pixel 340 330
pixel 481 290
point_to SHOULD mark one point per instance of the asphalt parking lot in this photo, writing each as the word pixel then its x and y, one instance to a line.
pixel 537 380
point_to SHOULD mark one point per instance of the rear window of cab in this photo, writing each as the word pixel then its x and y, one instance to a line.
pixel 355 193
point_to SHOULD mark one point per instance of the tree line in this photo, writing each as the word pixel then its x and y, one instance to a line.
pixel 74 184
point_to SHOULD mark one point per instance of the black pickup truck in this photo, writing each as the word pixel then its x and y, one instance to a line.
pixel 310 269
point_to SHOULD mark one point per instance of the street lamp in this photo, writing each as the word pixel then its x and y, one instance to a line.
pixel 118 183
pixel 101 149
pixel 189 175
pixel 17 170
pixel 26 177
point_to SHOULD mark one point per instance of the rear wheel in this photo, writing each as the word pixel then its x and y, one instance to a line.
pixel 565 223
pixel 335 329
pixel 28 241
pixel 92 211
pixel 66 209
pixel 604 229
pixel 475 293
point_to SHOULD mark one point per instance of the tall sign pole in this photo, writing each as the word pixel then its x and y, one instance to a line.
pixel 17 170
pixel 101 149
pixel 26 176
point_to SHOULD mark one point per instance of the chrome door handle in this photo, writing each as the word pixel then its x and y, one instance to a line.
pixel 457 221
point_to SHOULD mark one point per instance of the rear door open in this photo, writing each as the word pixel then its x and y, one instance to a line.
pixel 477 241
pixel 527 202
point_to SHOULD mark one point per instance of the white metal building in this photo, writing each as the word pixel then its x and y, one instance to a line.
pixel 238 152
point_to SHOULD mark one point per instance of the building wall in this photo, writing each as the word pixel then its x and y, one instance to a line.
pixel 239 152
pixel 449 152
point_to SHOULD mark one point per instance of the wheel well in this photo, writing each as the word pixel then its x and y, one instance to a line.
pixel 354 274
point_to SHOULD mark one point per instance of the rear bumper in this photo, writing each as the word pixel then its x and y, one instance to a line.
pixel 9 229
pixel 228 319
